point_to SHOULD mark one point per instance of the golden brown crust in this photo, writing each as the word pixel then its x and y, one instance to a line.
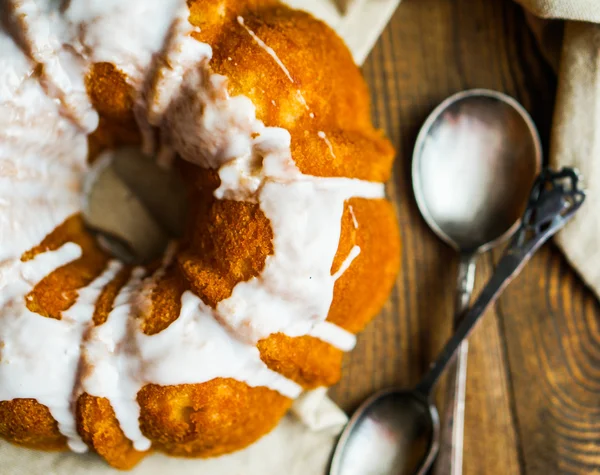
pixel 193 420
pixel 366 155
pixel 112 97
pixel 100 430
pixel 166 301
pixel 363 289
pixel 104 304
pixel 28 423
pixel 209 419
pixel 305 360
pixel 58 290
pixel 227 244
pixel 327 94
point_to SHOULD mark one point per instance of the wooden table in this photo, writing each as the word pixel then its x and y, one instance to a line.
pixel 533 390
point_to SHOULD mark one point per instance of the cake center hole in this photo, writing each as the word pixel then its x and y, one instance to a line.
pixel 133 206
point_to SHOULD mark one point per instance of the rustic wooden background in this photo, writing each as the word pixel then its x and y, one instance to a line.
pixel 533 391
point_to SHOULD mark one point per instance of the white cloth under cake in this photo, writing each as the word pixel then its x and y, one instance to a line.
pixel 300 445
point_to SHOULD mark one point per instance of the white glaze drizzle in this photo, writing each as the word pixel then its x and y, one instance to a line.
pixel 124 33
pixel 269 304
pixel 37 145
pixel 354 253
pixel 270 51
pixel 143 297
pixel 354 220
pixel 39 356
pixel 334 335
pixel 205 126
pixel 180 54
pixel 43 31
pixel 117 372
pixel 303 101
pixel 15 67
pixel 295 289
pixel 322 135
pixel 110 368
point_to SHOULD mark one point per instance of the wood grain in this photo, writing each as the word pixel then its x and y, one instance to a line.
pixel 533 390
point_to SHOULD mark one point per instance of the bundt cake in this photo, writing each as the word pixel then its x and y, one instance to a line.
pixel 289 248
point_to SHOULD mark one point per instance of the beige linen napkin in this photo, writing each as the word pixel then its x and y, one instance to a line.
pixel 303 441
pixel 579 10
pixel 576 129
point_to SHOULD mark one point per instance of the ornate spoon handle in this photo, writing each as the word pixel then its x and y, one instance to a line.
pixel 554 200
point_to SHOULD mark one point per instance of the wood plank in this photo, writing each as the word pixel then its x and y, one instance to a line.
pixel 554 360
pixel 491 440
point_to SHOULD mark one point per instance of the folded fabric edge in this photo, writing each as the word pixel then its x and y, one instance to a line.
pixel 576 142
pixel 578 10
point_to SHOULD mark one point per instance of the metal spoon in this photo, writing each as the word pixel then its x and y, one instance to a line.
pixel 397 431
pixel 475 160
pixel 475 139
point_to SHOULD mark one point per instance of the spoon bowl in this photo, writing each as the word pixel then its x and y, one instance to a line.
pixel 474 163
pixel 374 430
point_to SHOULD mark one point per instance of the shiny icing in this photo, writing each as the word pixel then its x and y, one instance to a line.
pixel 45 116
